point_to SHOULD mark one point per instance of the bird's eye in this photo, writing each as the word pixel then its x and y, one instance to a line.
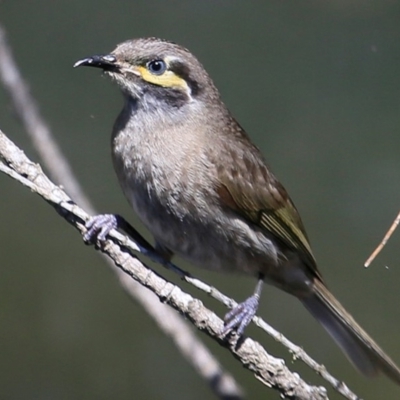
pixel 157 67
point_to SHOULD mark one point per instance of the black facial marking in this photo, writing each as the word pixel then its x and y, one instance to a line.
pixel 174 98
pixel 183 71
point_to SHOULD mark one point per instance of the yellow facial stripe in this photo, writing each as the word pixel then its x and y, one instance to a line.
pixel 167 79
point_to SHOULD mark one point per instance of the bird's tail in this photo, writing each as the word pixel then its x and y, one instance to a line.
pixel 362 351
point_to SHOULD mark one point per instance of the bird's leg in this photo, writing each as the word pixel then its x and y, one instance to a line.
pixel 99 226
pixel 239 317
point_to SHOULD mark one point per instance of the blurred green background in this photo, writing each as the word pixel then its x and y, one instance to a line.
pixel 316 84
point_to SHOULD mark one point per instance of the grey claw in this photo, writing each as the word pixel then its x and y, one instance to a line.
pixel 99 226
pixel 238 318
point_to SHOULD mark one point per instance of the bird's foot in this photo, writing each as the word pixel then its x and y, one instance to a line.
pixel 239 317
pixel 99 226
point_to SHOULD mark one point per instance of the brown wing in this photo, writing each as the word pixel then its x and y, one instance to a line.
pixel 247 187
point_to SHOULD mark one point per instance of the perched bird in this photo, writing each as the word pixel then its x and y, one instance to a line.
pixel 201 187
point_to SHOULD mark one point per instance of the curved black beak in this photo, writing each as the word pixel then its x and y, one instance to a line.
pixel 107 62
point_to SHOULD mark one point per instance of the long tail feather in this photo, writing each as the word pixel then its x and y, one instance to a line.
pixel 362 351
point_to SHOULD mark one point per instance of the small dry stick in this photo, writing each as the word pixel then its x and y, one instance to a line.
pixel 383 242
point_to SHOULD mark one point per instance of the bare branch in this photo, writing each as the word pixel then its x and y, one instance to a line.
pixel 270 371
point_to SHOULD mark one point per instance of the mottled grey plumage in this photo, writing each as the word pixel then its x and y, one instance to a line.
pixel 204 191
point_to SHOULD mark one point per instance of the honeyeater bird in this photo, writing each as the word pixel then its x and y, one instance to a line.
pixel 201 187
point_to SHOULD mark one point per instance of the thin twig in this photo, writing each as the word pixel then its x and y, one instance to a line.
pixel 269 370
pixel 383 242
pixel 203 361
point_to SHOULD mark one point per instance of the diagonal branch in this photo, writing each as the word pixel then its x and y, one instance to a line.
pixel 269 370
